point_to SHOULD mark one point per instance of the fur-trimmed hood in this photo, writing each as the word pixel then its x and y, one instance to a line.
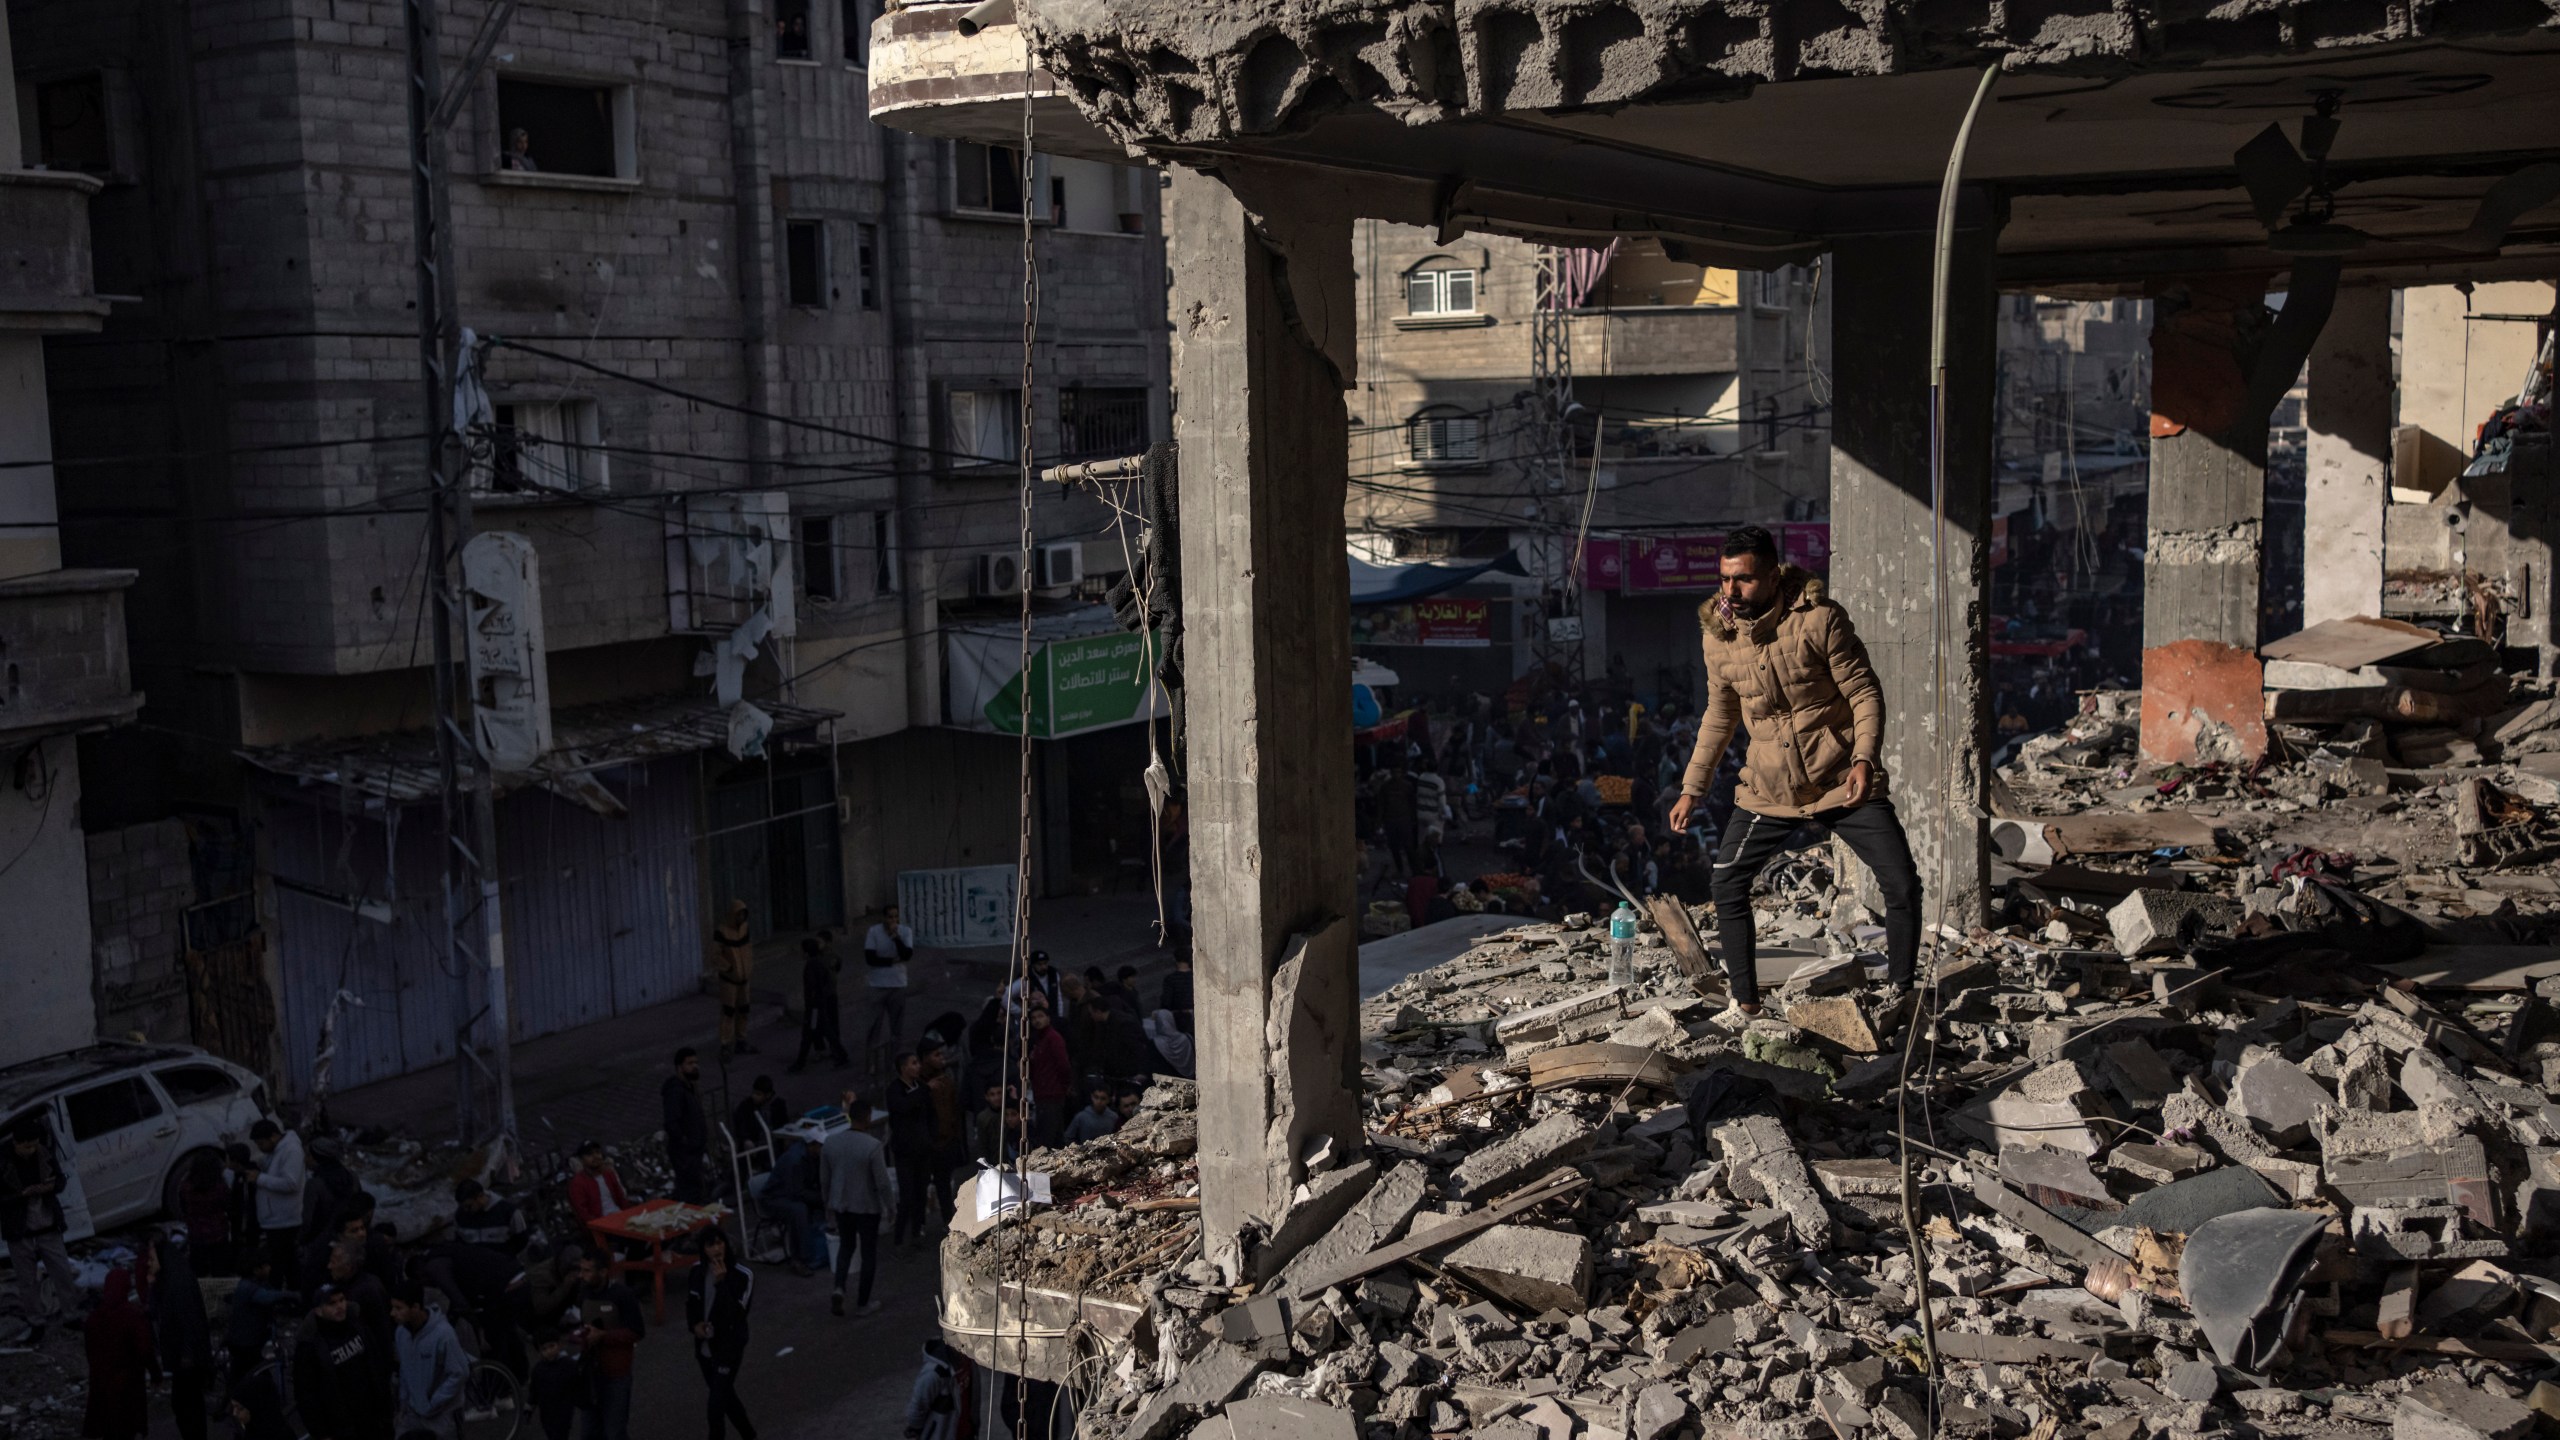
pixel 1796 589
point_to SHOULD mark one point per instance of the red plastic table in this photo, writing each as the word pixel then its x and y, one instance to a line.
pixel 659 1262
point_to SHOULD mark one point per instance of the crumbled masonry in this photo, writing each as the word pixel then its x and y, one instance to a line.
pixel 2242 1118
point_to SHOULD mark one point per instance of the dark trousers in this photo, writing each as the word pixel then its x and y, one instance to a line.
pixel 1874 834
pixel 692 1181
pixel 720 1389
pixel 609 1407
pixel 913 1172
pixel 283 1246
pixel 822 1029
pixel 186 1400
pixel 857 1230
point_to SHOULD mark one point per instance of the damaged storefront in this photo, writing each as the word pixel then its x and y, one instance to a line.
pixel 609 867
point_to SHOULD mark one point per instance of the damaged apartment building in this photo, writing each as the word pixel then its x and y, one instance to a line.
pixel 2226 1106
pixel 752 372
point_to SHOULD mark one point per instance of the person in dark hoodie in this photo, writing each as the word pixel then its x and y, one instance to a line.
pixel 122 1363
pixel 821 1005
pixel 558 1388
pixel 610 1331
pixel 341 1378
pixel 255 1302
pixel 180 1329
pixel 688 1133
pixel 718 1294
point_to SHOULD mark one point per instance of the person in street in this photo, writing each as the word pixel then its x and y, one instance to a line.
pixel 761 1111
pixel 556 1386
pixel 609 1334
pixel 277 1178
pixel 180 1330
pixel 1785 665
pixel 551 1286
pixel 1097 1118
pixel 257 1407
pixel 1053 1077
pixel 122 1363
pixel 596 1190
pixel 428 1364
pixel 487 1286
pixel 1175 994
pixel 886 949
pixel 251 1320
pixel 793 1199
pixel 688 1133
pixel 941 1403
pixel 950 1129
pixel 329 1187
pixel 368 1298
pixel 821 1012
pixel 719 1293
pixel 854 1170
pixel 994 1127
pixel 341 1379
pixel 733 967
pixel 1038 977
pixel 481 1218
pixel 206 1202
pixel 911 1143
pixel 1398 821
pixel 32 1221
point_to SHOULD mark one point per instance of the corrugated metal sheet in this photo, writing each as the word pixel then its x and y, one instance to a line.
pixel 601 919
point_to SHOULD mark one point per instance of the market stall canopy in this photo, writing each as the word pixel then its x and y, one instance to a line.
pixel 1376 584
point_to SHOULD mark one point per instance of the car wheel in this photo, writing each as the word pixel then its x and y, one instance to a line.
pixel 169 1205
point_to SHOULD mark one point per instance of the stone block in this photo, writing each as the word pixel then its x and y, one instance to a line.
pixel 2275 1096
pixel 1522 1156
pixel 2202 703
pixel 1538 1270
pixel 1837 1019
pixel 2158 1164
pixel 1286 1417
pixel 2454 1172
pixel 2162 922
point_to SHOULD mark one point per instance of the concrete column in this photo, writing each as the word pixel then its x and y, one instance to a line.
pixel 1881 539
pixel 2348 416
pixel 2219 363
pixel 1267 661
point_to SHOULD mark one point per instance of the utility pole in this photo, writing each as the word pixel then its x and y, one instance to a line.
pixel 1558 637
pixel 466 789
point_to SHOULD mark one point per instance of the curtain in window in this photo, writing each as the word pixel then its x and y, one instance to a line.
pixel 544 436
pixel 985 425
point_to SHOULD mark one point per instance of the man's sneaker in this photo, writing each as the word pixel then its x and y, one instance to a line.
pixel 835 1302
pixel 1733 1018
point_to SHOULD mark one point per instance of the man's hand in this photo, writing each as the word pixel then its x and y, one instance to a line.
pixel 1862 774
pixel 703 1329
pixel 1681 810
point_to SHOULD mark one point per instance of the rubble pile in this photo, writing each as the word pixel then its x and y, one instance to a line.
pixel 2232 1174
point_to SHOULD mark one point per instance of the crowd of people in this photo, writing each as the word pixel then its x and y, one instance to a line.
pixel 1567 778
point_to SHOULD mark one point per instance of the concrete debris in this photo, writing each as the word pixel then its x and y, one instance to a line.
pixel 2259 1011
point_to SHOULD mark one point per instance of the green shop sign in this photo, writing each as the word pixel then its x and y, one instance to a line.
pixel 1078 685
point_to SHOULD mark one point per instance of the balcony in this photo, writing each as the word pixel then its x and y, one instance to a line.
pixel 62 658
pixel 44 230
pixel 1656 340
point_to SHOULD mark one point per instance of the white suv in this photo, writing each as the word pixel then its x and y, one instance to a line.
pixel 127 1121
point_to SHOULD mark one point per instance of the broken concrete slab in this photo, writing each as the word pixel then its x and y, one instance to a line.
pixel 2469 1298
pixel 2158 1164
pixel 2443 1408
pixel 2137 1073
pixel 1659 1410
pixel 2274 1095
pixel 1376 1218
pixel 2194 1381
pixel 1216 1375
pixel 1538 1270
pixel 1316 1208
pixel 2054 1178
pixel 2455 1172
pixel 2183 1206
pixel 1838 1019
pixel 1286 1417
pixel 2161 922
pixel 1850 1179
pixel 1514 1158
pixel 1757 1148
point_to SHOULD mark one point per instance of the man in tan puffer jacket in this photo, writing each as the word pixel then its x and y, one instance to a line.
pixel 1785 665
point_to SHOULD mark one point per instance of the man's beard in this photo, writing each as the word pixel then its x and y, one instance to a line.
pixel 1747 609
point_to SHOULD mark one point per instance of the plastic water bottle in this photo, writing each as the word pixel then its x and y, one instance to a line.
pixel 1622 945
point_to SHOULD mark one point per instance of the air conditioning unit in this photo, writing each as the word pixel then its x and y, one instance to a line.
pixel 999 573
pixel 1058 565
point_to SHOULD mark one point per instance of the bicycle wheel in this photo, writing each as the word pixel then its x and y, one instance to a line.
pixel 493 1404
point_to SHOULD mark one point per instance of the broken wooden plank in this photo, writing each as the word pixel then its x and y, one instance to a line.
pixel 2395 1318
pixel 2101 833
pixel 1681 934
pixel 1554 1185
pixel 1603 1063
